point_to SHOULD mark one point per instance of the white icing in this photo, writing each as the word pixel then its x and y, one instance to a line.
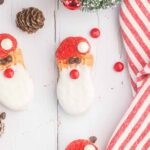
pixel 6 44
pixel 16 92
pixel 89 147
pixel 83 47
pixel 75 96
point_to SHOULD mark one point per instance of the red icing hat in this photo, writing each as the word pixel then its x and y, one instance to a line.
pixel 7 44
pixel 72 47
pixel 81 145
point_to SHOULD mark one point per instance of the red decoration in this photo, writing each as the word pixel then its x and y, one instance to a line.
pixel 69 48
pixel 119 66
pixel 80 145
pixel 72 4
pixel 9 73
pixel 95 33
pixel 74 74
pixel 4 53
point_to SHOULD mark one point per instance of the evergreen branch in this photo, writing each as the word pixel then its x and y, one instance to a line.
pixel 92 5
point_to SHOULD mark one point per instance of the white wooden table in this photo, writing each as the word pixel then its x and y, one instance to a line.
pixel 44 126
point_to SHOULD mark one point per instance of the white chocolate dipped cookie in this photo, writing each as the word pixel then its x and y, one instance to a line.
pixel 75 90
pixel 16 86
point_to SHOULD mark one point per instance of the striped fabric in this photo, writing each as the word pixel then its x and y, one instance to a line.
pixel 133 132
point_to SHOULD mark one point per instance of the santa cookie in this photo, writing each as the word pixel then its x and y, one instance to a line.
pixel 82 144
pixel 16 87
pixel 75 88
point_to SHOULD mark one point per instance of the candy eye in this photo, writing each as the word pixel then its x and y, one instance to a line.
pixel 89 147
pixel 6 44
pixel 83 47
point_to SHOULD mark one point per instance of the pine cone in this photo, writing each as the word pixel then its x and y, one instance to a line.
pixel 2 125
pixel 30 19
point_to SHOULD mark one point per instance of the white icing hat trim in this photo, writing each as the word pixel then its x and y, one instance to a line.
pixel 83 47
pixel 89 147
pixel 6 44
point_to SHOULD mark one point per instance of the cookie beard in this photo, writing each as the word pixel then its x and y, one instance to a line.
pixel 16 92
pixel 75 96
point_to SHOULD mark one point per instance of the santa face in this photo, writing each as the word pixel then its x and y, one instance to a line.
pixel 16 87
pixel 16 92
pixel 75 88
pixel 75 95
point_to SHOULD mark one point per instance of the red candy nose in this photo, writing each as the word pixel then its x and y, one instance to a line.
pixel 9 73
pixel 74 74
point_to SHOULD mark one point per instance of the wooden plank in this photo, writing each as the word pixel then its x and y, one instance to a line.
pixel 35 128
pixel 112 89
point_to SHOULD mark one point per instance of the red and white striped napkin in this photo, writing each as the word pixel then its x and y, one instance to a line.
pixel 133 131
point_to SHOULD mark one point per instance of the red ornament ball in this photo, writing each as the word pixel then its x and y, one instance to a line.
pixel 74 74
pixel 72 4
pixel 95 33
pixel 9 73
pixel 118 67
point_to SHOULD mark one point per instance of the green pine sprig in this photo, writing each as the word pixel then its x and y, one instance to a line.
pixel 92 5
